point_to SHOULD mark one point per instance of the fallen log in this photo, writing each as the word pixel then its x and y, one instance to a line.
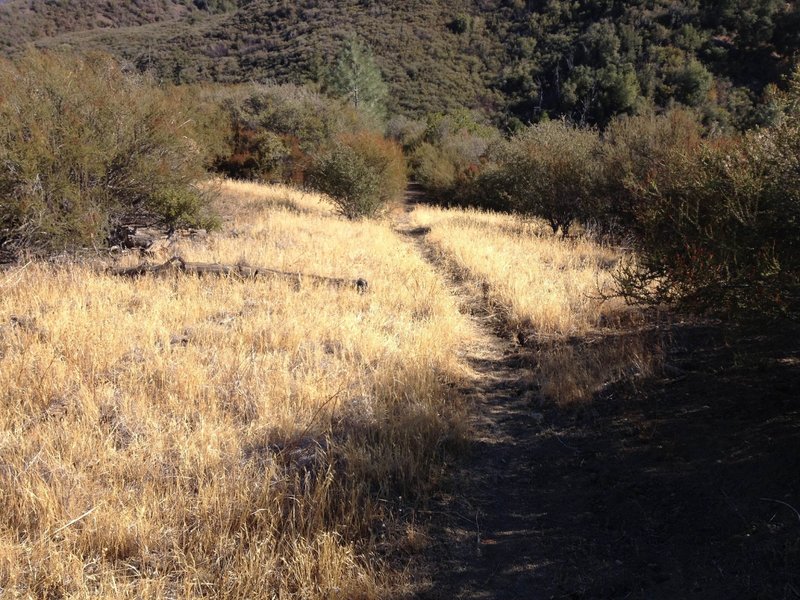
pixel 177 264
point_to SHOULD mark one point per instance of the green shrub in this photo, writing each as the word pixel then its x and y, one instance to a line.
pixel 490 189
pixel 176 202
pixel 552 171
pixel 461 23
pixel 344 175
pixel 83 143
pixel 385 157
pixel 361 174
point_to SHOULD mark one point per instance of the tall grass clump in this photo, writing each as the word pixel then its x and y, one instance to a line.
pixel 83 142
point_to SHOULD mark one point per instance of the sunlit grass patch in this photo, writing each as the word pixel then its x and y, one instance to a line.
pixel 249 196
pixel 547 291
pixel 182 436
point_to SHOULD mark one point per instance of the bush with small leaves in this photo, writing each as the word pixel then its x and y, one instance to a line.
pixel 360 173
pixel 716 224
pixel 551 171
pixel 638 152
pixel 83 143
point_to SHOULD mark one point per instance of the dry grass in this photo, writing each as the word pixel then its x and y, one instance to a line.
pixel 546 289
pixel 250 198
pixel 181 437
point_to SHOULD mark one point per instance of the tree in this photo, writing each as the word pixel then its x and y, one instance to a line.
pixel 550 171
pixel 691 83
pixel 357 77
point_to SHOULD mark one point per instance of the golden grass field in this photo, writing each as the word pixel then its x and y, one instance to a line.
pixel 185 437
pixel 257 457
pixel 547 290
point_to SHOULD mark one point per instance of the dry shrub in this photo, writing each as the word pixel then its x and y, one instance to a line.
pixel 273 131
pixel 83 142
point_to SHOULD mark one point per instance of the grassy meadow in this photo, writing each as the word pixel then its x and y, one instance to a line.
pixel 183 437
pixel 187 437
pixel 549 293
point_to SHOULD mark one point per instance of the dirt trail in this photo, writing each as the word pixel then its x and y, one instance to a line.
pixel 672 488
pixel 486 526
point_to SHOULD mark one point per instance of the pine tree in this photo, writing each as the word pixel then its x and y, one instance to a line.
pixel 356 76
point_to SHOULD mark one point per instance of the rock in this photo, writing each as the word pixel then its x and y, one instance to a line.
pixel 182 340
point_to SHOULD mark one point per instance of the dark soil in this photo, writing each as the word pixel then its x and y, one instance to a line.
pixel 675 488
pixel 684 485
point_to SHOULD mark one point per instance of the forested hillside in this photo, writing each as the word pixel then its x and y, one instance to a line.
pixel 515 60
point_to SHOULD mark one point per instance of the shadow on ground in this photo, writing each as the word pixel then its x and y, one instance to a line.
pixel 681 487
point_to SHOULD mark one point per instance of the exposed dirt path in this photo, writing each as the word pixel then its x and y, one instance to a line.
pixel 486 527
pixel 681 487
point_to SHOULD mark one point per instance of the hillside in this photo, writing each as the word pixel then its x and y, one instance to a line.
pixel 429 67
pixel 513 60
pixel 23 21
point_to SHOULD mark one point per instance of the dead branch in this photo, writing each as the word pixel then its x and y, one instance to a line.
pixel 176 264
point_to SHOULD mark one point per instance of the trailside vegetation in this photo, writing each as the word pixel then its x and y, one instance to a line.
pixel 84 143
pixel 714 219
pixel 549 170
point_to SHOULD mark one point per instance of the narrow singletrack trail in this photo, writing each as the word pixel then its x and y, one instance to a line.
pixel 488 527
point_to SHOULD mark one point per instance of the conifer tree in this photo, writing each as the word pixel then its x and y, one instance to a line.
pixel 357 77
